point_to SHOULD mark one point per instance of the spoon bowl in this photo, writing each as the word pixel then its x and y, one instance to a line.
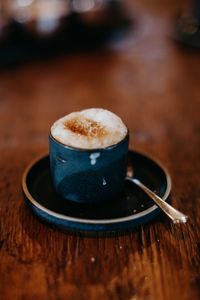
pixel 175 215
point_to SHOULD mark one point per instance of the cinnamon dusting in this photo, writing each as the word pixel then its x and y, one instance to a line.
pixel 86 127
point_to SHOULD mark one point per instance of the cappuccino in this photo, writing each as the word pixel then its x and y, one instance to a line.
pixel 93 128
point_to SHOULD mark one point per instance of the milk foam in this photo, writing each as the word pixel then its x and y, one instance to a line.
pixel 92 128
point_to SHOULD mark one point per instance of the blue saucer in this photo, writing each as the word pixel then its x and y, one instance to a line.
pixel 134 207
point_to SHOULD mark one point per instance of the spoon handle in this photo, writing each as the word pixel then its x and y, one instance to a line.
pixel 175 215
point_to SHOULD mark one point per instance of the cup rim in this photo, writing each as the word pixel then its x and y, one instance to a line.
pixel 88 149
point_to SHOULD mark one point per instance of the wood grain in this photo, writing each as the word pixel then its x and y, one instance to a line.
pixel 154 85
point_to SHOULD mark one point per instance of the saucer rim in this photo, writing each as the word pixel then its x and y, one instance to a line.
pixel 66 218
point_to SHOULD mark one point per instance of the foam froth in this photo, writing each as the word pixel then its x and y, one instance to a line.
pixel 89 129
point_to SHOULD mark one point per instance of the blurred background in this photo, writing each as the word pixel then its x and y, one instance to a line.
pixel 40 28
pixel 36 28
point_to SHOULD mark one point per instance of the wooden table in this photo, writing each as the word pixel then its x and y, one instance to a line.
pixel 154 85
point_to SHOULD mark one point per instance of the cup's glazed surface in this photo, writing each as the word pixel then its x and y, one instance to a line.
pixel 88 175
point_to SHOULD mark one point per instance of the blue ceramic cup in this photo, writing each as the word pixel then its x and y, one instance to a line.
pixel 88 175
